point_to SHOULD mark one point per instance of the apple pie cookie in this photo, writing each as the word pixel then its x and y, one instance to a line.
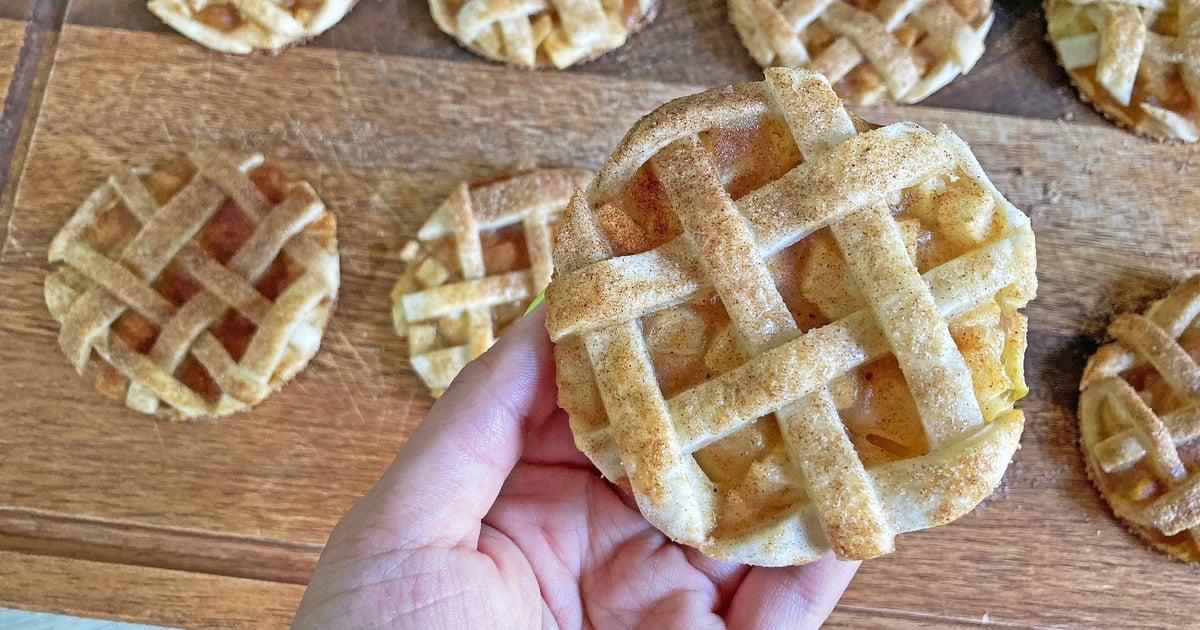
pixel 870 51
pixel 1132 61
pixel 1139 421
pixel 475 265
pixel 789 331
pixel 244 26
pixel 538 33
pixel 196 289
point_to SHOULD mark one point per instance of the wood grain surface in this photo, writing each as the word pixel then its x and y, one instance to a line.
pixel 32 25
pixel 691 42
pixel 12 32
pixel 144 595
pixel 232 514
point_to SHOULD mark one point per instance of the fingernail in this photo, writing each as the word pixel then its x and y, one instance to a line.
pixel 537 300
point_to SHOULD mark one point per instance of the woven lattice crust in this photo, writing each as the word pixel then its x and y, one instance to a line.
pixel 244 26
pixel 1136 61
pixel 1139 421
pixel 725 213
pixel 538 33
pixel 475 266
pixel 871 52
pixel 195 290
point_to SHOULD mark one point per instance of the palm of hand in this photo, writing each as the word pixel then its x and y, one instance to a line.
pixel 557 546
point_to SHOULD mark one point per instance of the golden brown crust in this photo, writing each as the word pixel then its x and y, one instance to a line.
pixel 768 398
pixel 1131 61
pixel 869 51
pixel 539 34
pixel 476 264
pixel 1139 421
pixel 246 26
pixel 1186 551
pixel 205 285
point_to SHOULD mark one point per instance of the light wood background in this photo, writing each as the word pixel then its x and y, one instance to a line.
pixel 106 512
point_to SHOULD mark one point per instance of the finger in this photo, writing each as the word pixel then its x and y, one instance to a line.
pixel 551 443
pixel 725 575
pixel 790 597
pixel 448 474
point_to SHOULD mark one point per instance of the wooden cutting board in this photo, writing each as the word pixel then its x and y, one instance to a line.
pixel 11 33
pixel 235 511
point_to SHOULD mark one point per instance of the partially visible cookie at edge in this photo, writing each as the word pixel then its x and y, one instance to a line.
pixel 1139 421
pixel 476 264
pixel 245 26
pixel 872 52
pixel 1132 62
pixel 197 289
pixel 538 34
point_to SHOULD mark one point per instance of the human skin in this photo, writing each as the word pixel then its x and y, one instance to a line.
pixel 489 517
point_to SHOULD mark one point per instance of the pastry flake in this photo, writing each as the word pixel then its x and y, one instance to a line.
pixel 872 51
pixel 1139 421
pixel 476 265
pixel 1132 61
pixel 537 33
pixel 789 331
pixel 244 26
pixel 196 289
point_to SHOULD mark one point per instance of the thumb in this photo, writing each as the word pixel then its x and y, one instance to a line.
pixel 447 476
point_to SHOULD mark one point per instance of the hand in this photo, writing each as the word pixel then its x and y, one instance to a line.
pixel 490 518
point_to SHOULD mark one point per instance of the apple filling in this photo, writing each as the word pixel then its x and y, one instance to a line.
pixel 221 237
pixel 435 263
pixel 940 219
pixel 225 16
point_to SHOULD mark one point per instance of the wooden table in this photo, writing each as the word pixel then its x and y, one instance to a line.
pixel 105 512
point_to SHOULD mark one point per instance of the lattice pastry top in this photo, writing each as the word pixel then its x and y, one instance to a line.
pixel 555 33
pixel 792 331
pixel 476 265
pixel 871 51
pixel 1139 421
pixel 196 289
pixel 1133 60
pixel 244 26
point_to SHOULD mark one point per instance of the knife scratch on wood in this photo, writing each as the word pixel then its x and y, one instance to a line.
pixel 353 351
pixel 157 431
pixel 167 130
pixel 298 130
pixel 337 371
pixel 10 242
pixel 341 82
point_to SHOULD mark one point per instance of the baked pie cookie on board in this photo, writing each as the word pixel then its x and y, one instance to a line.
pixel 538 33
pixel 1136 62
pixel 196 289
pixel 870 51
pixel 1139 421
pixel 788 330
pixel 244 26
pixel 476 265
